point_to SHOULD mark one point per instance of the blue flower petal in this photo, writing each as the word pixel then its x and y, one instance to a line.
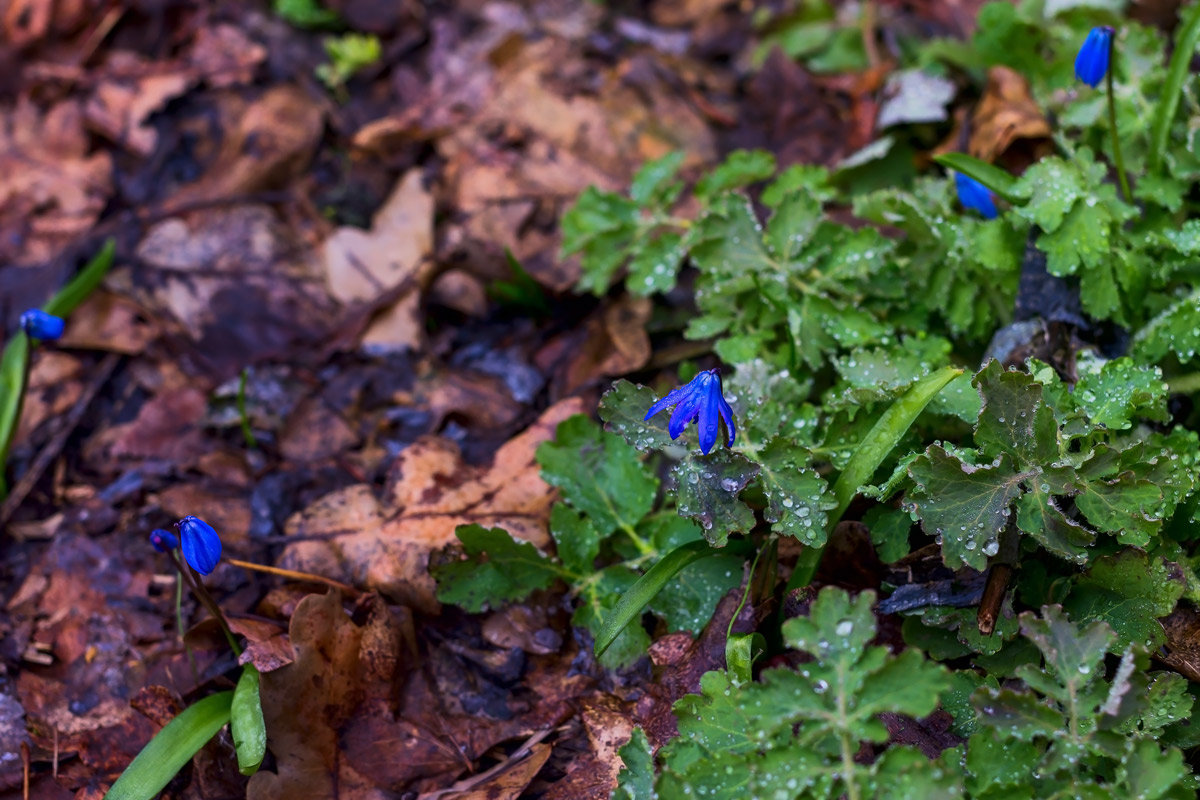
pixel 700 398
pixel 201 545
pixel 684 413
pixel 727 415
pixel 974 195
pixel 708 422
pixel 162 541
pixel 40 325
pixel 673 396
pixel 1091 65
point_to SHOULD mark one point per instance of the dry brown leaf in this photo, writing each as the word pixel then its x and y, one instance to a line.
pixel 268 142
pixel 352 536
pixel 1183 641
pixel 51 188
pixel 1005 113
pixel 55 384
pixel 306 702
pixel 109 322
pixel 130 90
pixel 362 265
pixel 224 56
pixel 509 782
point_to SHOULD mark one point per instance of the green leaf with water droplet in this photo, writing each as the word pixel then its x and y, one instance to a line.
pixel 965 504
pixel 788 731
pixel 797 497
pixel 1113 393
pixel 623 407
pixel 1176 329
pixel 1130 592
pixel 576 538
pixel 707 489
pixel 497 568
pixel 598 473
pixel 687 601
pixel 636 778
pixel 1014 420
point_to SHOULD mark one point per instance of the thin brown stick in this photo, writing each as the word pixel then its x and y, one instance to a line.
pixel 295 575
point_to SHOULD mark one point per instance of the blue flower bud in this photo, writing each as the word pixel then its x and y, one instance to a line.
pixel 701 400
pixel 974 195
pixel 1091 65
pixel 201 545
pixel 40 325
pixel 163 540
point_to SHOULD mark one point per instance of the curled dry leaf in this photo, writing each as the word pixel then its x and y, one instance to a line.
pixel 1005 113
pixel 385 544
pixel 306 702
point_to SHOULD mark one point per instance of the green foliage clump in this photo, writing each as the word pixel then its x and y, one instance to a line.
pixel 607 533
pixel 797 732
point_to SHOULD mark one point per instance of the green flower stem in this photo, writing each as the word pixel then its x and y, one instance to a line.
pixel 198 589
pixel 1126 195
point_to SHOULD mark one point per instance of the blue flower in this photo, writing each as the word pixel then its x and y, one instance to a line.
pixel 163 540
pixel 1091 64
pixel 974 195
pixel 201 545
pixel 700 399
pixel 40 325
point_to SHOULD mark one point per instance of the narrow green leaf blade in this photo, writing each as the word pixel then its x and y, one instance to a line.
pixel 246 722
pixel 649 585
pixel 989 175
pixel 70 296
pixel 14 365
pixel 172 748
pixel 1177 72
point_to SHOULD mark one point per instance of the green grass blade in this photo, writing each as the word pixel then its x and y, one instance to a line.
pixel 172 748
pixel 246 722
pixel 14 366
pixel 870 453
pixel 650 584
pixel 75 292
pixel 1177 72
pixel 991 176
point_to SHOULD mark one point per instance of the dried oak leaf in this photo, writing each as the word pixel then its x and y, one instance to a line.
pixel 306 702
pixel 1005 113
pixel 385 544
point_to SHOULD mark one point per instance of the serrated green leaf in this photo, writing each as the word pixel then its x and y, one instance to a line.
pixel 1014 420
pixel 598 473
pixel 623 407
pixel 1176 329
pixel 741 168
pixel 1129 592
pixel 707 489
pixel 1074 652
pixel 797 497
pixel 1040 517
pixel 965 504
pixel 636 778
pixel 1114 392
pixel 498 568
pixel 652 182
pixel 655 264
pixel 576 538
pixel 1022 716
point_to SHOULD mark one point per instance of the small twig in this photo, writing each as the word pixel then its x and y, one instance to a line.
pixel 56 443
pixel 295 575
pixel 998 579
pixel 469 783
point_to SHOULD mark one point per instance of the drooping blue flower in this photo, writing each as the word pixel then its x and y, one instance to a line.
pixel 40 325
pixel 163 540
pixel 974 195
pixel 1091 65
pixel 699 399
pixel 201 545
